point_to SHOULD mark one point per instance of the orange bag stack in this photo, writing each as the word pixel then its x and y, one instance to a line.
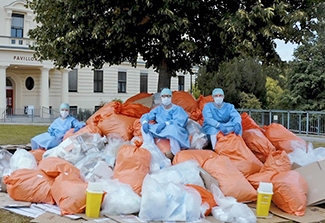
pixel 132 165
pixel 201 156
pixel 115 123
pixel 54 166
pixel 231 181
pixel 105 110
pixel 185 100
pixel 138 97
pixel 234 147
pixel 30 185
pixel 255 138
pixel 283 139
pixel 203 100
pixel 38 154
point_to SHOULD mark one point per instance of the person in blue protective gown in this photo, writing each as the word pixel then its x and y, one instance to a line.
pixel 220 116
pixel 170 124
pixel 57 129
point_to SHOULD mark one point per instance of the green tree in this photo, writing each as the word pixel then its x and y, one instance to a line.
pixel 274 93
pixel 170 35
pixel 307 75
pixel 249 101
pixel 236 76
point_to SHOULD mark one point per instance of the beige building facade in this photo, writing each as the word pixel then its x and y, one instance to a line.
pixel 26 82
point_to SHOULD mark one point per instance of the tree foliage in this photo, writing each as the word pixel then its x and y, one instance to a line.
pixel 274 93
pixel 236 76
pixel 170 35
pixel 249 101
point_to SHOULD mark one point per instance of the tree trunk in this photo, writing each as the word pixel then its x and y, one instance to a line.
pixel 164 76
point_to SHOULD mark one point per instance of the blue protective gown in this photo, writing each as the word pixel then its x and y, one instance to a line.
pixel 176 129
pixel 55 133
pixel 227 115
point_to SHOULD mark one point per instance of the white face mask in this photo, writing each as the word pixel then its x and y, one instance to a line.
pixel 218 100
pixel 64 114
pixel 166 101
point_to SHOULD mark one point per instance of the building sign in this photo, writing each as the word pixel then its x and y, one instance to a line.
pixel 24 58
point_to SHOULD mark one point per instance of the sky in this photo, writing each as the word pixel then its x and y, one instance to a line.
pixel 285 50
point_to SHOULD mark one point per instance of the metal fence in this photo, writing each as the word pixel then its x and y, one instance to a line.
pixel 301 122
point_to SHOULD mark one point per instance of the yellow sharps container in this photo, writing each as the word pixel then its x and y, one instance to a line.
pixel 94 199
pixel 264 197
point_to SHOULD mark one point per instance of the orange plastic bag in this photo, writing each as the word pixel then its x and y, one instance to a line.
pixel 203 100
pixel 138 97
pixel 278 162
pixel 87 129
pixel 248 123
pixel 231 181
pixel 265 177
pixel 234 147
pixel 132 165
pixel 290 192
pixel 206 196
pixel 54 166
pixel 38 154
pixel 163 145
pixel 137 128
pixel 197 116
pixel 283 139
pixel 105 110
pixel 185 100
pixel 201 156
pixel 134 110
pixel 115 123
pixel 69 193
pixel 30 185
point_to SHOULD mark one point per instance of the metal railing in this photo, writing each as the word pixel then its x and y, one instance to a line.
pixel 300 122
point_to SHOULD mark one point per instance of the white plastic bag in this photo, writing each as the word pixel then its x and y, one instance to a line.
pixel 120 198
pixel 114 143
pixel 5 157
pixel 168 202
pixel 22 160
pixel 199 138
pixel 95 169
pixel 303 156
pixel 187 172
pixel 229 210
pixel 158 159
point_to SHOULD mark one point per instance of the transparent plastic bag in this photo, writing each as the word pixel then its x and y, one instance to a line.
pixel 95 169
pixel 5 157
pixel 114 143
pixel 158 159
pixel 196 132
pixel 187 172
pixel 120 198
pixel 22 160
pixel 175 202
pixel 229 210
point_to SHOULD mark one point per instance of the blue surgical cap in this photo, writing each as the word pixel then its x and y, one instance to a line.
pixel 166 91
pixel 64 105
pixel 217 91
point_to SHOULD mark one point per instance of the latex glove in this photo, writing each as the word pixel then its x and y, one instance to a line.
pixel 222 128
pixel 76 129
pixel 237 128
pixel 145 127
pixel 160 127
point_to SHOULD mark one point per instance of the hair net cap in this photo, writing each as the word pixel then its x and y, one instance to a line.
pixel 64 105
pixel 166 91
pixel 218 91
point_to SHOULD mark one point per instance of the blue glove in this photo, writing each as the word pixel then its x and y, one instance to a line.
pixel 160 127
pixel 76 129
pixel 237 128
pixel 145 127
pixel 222 128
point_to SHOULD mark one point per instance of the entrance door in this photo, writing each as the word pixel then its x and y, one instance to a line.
pixel 10 101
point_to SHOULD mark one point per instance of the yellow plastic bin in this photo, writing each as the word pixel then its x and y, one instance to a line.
pixel 264 197
pixel 94 199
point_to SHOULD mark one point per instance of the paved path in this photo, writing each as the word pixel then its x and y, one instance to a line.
pixel 313 138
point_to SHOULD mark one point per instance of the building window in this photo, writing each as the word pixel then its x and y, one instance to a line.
pixel 29 83
pixel 17 27
pixel 121 82
pixel 73 80
pixel 181 83
pixel 143 82
pixel 73 111
pixel 98 81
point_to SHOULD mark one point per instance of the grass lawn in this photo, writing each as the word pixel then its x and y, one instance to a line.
pixel 19 134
